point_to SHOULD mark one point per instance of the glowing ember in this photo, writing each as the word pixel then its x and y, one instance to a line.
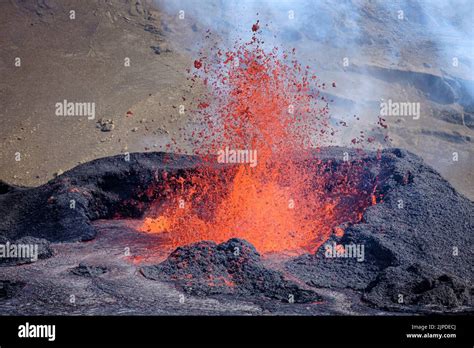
pixel 266 104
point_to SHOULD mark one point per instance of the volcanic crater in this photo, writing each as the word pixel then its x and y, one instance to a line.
pixel 414 227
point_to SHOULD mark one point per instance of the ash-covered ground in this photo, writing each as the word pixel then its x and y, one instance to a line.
pixel 92 260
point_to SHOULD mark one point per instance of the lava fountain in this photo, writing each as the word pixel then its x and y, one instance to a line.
pixel 266 105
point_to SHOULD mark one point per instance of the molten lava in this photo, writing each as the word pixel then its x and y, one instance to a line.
pixel 264 102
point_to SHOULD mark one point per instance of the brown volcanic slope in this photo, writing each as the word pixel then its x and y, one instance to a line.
pixel 82 60
pixel 409 60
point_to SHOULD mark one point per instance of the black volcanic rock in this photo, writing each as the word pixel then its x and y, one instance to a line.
pixel 416 285
pixel 9 288
pixel 62 209
pixel 230 268
pixel 421 223
pixel 88 271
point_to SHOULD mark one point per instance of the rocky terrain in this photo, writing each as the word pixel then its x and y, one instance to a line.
pixel 416 242
pixel 66 186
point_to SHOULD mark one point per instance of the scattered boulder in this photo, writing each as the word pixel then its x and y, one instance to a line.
pixel 156 49
pixel 105 125
pixel 88 271
pixel 152 29
pixel 9 289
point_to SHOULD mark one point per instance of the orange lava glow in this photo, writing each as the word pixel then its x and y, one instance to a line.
pixel 266 102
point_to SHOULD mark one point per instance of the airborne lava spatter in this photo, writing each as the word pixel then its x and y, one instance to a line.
pixel 264 102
